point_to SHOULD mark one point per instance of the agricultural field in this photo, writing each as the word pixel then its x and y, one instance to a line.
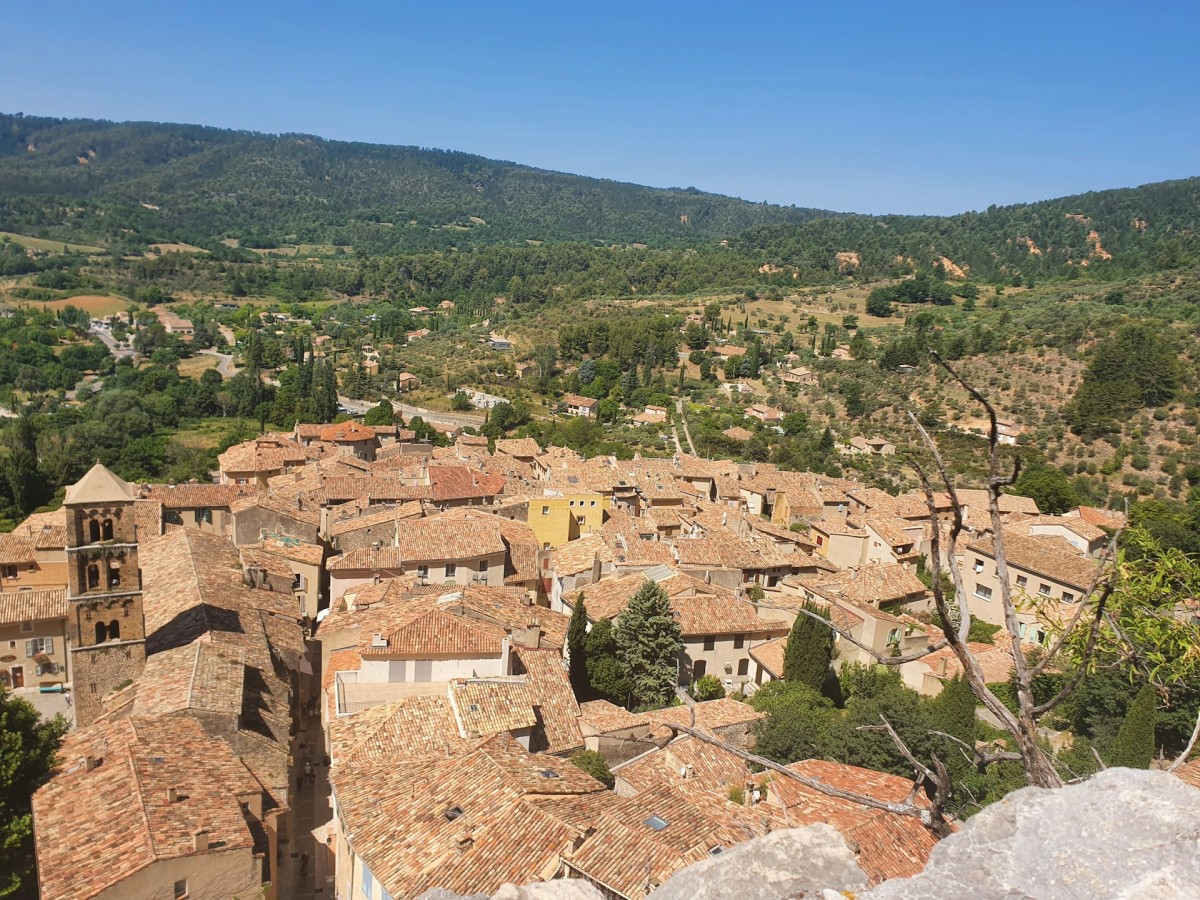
pixel 45 245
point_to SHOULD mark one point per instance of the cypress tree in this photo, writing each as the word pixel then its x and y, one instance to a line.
pixel 809 649
pixel 648 644
pixel 577 649
pixel 953 710
pixel 1134 747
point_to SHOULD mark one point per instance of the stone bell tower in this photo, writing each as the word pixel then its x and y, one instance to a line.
pixel 104 595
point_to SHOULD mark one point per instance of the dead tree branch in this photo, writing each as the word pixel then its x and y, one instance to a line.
pixel 908 808
pixel 1187 751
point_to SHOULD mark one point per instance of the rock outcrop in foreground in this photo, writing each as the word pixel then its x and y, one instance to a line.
pixel 1122 834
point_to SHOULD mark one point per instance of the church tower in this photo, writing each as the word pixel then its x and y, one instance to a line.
pixel 104 595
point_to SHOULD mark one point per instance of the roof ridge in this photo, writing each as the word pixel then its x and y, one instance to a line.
pixel 140 792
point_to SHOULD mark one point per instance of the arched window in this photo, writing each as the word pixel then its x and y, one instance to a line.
pixel 107 528
pixel 101 633
pixel 93 531
pixel 114 630
pixel 114 577
pixel 93 573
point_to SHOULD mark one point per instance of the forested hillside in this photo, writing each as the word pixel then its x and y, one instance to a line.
pixel 1151 227
pixel 142 182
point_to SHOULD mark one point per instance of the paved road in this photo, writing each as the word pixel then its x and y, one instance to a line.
pixel 110 342
pixel 463 420
pixel 686 431
pixel 224 362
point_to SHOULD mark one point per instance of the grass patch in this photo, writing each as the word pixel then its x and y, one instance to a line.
pixel 195 366
pixel 49 246
pixel 96 305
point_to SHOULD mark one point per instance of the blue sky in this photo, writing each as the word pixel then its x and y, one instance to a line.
pixel 872 107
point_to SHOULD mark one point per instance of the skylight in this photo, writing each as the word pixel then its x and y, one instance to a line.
pixel 453 813
pixel 550 773
pixel 657 823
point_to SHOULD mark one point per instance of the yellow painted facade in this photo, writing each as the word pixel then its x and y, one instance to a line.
pixel 562 518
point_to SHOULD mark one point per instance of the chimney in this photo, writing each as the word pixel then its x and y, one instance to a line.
pixel 943 663
pixel 172 795
pixel 93 762
pixel 200 840
pixel 533 635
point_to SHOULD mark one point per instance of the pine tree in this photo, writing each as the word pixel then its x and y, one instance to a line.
pixel 809 649
pixel 1134 747
pixel 577 649
pixel 648 645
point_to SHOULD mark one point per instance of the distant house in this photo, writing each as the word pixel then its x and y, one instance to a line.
pixel 173 323
pixel 799 375
pixel 496 342
pixel 875 446
pixel 768 415
pixel 652 415
pixel 737 433
pixel 526 370
pixel 584 407
pixel 1008 432
pixel 417 335
pixel 407 381
pixel 446 304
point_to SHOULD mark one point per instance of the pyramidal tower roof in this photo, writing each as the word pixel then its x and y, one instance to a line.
pixel 99 485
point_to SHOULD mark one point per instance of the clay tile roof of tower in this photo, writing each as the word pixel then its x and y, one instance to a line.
pixel 99 485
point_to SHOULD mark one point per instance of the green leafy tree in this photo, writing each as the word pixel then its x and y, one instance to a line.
pixel 460 402
pixel 594 764
pixel 648 645
pixel 605 673
pixel 800 723
pixel 28 744
pixel 809 649
pixel 1049 487
pixel 708 687
pixel 1134 747
pixel 382 414
pixel 577 632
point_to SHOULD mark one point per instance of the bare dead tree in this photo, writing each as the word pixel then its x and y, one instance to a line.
pixel 955 614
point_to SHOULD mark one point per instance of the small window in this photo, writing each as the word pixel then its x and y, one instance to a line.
pixel 894 636
pixel 1022 581
pixel 93 531
pixel 820 541
pixel 1068 597
pixel 710 642
pixel 739 642
pixel 422 571
pixel 743 666
pixel 483 566
pixel 983 592
pixel 592 503
pixel 106 528
pixel 368 882
pixel 657 823
pixel 93 577
pixel 206 516
pixel 27 626
pixel 10 572
pixel 1044 590
pixel 451 569
pixel 978 566
pixel 545 510
pixel 572 502
pixel 181 888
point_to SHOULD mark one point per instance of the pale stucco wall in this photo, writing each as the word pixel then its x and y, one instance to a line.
pixel 216 875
